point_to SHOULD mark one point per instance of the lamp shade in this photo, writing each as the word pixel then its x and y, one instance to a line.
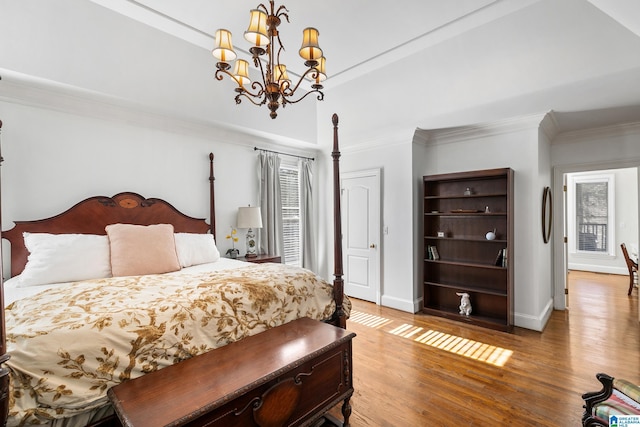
pixel 310 49
pixel 241 72
pixel 256 34
pixel 249 217
pixel 223 49
pixel 322 75
pixel 280 73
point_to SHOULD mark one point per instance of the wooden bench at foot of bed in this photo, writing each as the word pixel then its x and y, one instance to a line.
pixel 291 375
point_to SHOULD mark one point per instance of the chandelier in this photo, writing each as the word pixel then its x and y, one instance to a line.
pixel 276 88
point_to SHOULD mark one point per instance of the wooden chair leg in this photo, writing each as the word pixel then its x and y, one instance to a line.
pixel 592 398
pixel 631 282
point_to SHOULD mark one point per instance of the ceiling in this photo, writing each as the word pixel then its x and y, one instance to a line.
pixel 353 34
pixel 503 57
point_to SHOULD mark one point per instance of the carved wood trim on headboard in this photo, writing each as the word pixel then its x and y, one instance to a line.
pixel 92 215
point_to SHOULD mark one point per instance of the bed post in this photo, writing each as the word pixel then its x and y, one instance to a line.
pixel 4 357
pixel 338 283
pixel 212 199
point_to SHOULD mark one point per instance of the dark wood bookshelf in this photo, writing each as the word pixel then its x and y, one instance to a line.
pixel 459 210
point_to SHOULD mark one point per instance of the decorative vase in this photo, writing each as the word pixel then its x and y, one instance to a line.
pixel 251 243
pixel 233 253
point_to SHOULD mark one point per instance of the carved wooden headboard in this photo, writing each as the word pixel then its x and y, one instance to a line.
pixel 92 215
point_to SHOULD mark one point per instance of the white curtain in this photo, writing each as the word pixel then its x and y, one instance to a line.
pixel 306 216
pixel 271 235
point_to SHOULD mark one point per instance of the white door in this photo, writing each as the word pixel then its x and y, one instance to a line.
pixel 361 234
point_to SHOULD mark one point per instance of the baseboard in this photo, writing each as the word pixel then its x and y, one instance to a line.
pixel 398 304
pixel 536 323
pixel 598 268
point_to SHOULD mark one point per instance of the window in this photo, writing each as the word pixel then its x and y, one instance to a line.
pixel 290 195
pixel 593 206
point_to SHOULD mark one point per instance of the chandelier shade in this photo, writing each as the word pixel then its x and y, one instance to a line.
pixel 241 72
pixel 274 87
pixel 256 34
pixel 280 74
pixel 322 75
pixel 223 49
pixel 310 49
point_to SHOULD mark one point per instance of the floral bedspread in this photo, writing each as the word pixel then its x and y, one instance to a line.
pixel 69 345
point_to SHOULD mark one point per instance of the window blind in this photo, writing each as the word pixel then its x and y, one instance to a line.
pixel 290 196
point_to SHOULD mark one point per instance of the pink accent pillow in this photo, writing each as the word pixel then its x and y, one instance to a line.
pixel 138 249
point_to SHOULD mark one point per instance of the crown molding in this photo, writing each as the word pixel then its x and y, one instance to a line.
pixel 37 92
pixel 382 139
pixel 479 130
pixel 582 135
pixel 550 126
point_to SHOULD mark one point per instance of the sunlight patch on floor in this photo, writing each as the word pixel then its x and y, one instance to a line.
pixel 462 346
pixel 368 319
pixel 465 347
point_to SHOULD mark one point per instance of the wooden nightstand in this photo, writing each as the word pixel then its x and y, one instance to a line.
pixel 262 258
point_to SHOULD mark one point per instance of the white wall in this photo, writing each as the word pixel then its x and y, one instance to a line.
pixel 397 253
pixel 54 159
pixel 544 258
pixel 394 160
pixel 625 224
pixel 420 152
pixel 515 144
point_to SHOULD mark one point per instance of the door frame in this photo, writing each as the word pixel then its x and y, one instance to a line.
pixel 376 173
pixel 560 248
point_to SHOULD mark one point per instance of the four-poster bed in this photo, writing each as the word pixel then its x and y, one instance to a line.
pixel 135 323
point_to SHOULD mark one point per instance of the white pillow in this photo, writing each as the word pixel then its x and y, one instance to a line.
pixel 194 249
pixel 59 258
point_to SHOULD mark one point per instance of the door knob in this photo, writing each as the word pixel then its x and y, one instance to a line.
pixel 372 246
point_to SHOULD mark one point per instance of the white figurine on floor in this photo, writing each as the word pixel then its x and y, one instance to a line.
pixel 465 303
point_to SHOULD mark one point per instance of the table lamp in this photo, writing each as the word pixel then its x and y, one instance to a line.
pixel 250 217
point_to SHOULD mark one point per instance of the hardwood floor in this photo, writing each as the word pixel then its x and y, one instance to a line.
pixel 419 370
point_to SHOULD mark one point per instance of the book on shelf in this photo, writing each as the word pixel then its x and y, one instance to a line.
pixel 501 258
pixel 432 253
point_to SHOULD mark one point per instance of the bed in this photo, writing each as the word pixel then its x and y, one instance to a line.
pixel 69 334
